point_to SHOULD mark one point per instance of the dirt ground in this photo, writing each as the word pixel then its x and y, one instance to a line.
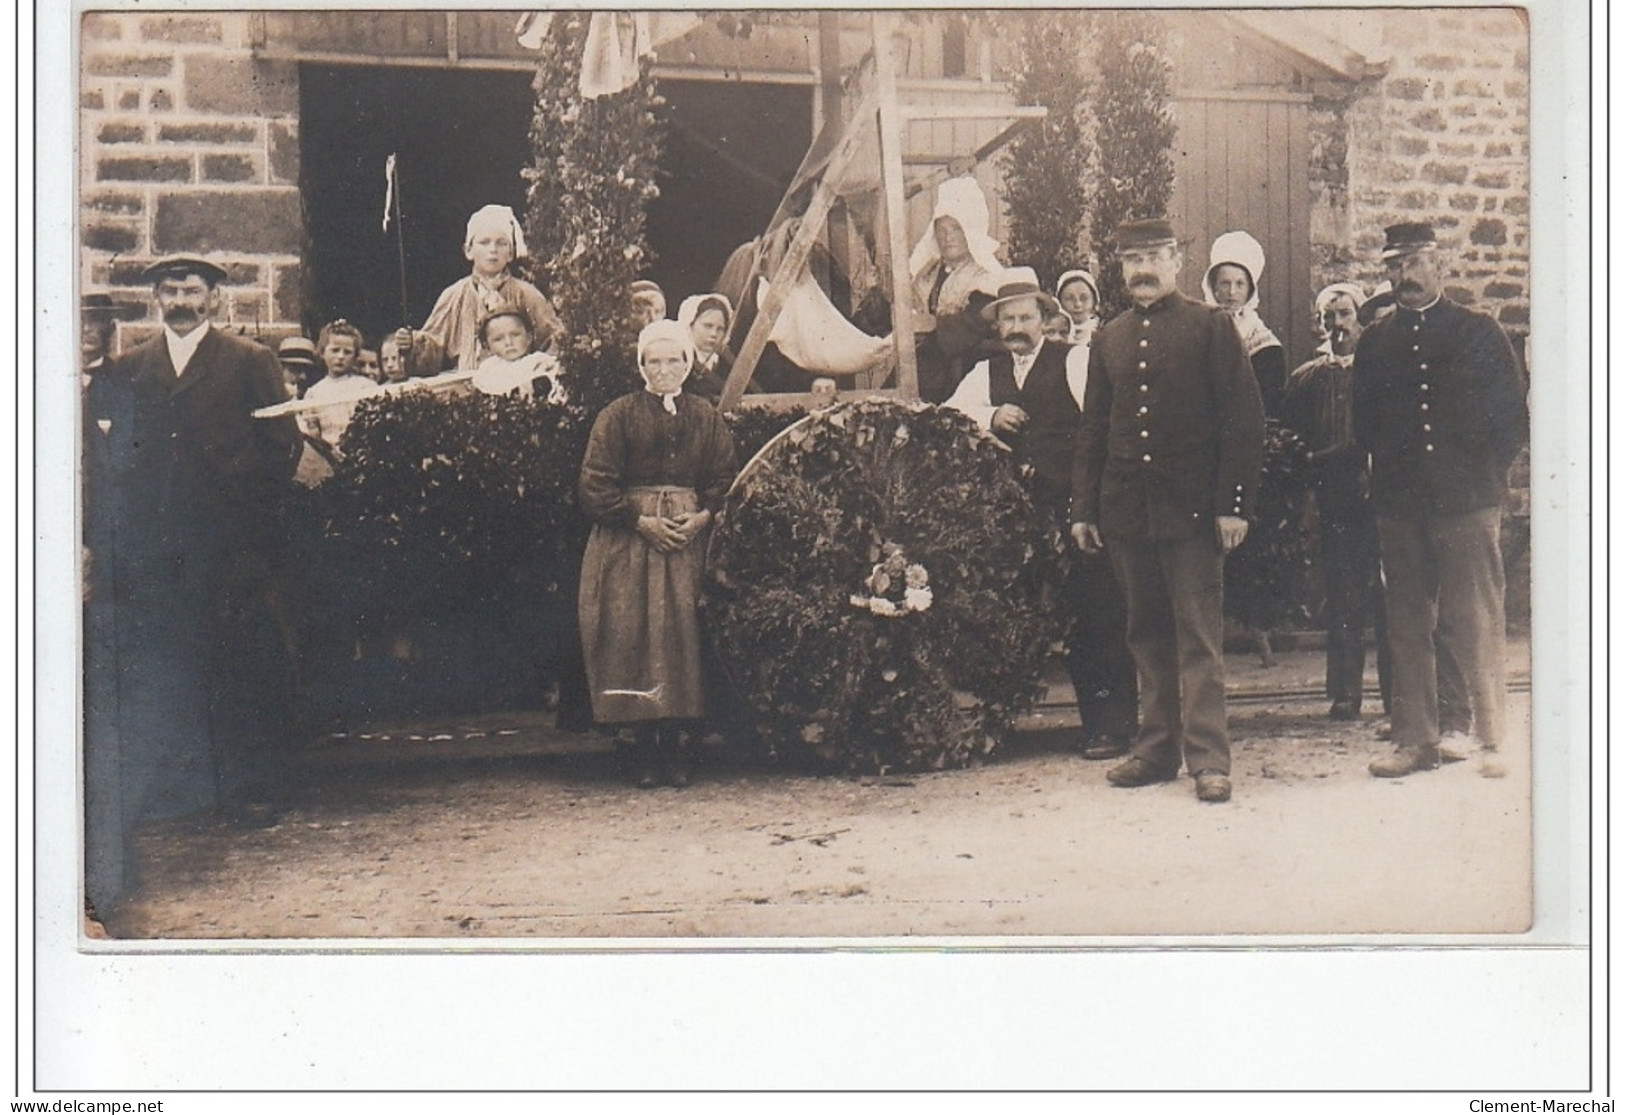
pixel 503 828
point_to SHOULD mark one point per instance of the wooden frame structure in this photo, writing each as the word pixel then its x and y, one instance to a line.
pixel 879 99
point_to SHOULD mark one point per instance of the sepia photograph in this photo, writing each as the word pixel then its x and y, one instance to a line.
pixel 805 474
pixel 1005 478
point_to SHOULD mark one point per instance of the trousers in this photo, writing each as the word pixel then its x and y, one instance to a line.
pixel 1445 574
pixel 1174 589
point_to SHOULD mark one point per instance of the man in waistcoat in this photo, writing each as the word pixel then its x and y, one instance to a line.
pixel 1031 397
pixel 1439 405
pixel 1167 469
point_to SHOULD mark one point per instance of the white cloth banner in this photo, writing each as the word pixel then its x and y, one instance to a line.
pixel 813 335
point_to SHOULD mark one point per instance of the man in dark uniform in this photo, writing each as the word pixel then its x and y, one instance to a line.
pixel 187 506
pixel 1439 404
pixel 1167 469
pixel 1031 397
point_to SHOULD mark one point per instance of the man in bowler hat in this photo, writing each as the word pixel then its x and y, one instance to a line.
pixel 1167 469
pixel 1439 404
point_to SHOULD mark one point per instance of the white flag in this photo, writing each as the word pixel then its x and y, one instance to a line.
pixel 389 188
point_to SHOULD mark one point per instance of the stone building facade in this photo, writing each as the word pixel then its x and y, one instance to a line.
pixel 188 144
pixel 1440 133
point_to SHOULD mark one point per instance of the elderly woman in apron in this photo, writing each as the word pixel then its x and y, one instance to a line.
pixel 658 464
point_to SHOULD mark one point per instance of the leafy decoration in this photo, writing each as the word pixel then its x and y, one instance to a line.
pixel 809 526
pixel 1266 578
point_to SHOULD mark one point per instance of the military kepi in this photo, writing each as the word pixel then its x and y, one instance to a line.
pixel 178 267
pixel 1403 239
pixel 1145 234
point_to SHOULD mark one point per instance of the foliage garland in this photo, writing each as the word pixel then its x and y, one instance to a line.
pixel 1134 135
pixel 879 500
pixel 448 499
pixel 1049 175
pixel 1266 578
pixel 594 163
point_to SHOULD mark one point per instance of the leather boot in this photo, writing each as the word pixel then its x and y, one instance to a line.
pixel 674 757
pixel 1405 760
pixel 645 763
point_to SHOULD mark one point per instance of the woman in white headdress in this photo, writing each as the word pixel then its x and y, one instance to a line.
pixel 956 268
pixel 708 317
pixel 1235 266
pixel 451 335
pixel 658 465
pixel 1079 296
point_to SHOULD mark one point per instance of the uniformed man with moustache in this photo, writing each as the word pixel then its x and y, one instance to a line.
pixel 1167 468
pixel 1439 404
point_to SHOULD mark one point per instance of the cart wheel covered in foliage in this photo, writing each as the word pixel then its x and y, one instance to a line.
pixel 878 586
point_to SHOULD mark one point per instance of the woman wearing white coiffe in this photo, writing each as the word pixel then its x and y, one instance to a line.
pixel 658 465
pixel 955 267
pixel 1235 268
pixel 1079 297
pixel 708 318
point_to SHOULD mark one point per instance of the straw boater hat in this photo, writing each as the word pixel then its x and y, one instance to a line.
pixel 297 350
pixel 1020 282
pixel 178 267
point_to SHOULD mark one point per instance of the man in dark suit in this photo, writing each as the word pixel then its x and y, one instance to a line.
pixel 1167 468
pixel 186 510
pixel 1439 405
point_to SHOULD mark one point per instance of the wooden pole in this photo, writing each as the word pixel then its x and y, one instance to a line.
pixel 891 182
pixel 795 258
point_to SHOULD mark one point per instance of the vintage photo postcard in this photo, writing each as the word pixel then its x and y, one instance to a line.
pixel 689 480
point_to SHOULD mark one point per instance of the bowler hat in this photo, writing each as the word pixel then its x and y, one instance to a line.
pixel 296 350
pixel 107 308
pixel 1145 234
pixel 1403 239
pixel 1019 282
pixel 179 267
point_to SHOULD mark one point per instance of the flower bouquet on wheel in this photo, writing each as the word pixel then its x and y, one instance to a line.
pixel 876 586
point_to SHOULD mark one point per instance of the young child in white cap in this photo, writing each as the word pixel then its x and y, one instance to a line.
pixel 493 241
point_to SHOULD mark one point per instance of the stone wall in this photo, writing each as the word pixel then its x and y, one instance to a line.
pixel 189 144
pixel 1441 136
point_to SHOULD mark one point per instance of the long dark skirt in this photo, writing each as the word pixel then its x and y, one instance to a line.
pixel 640 627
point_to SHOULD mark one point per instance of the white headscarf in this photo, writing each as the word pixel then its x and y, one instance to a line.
pixel 962 200
pixel 1081 331
pixel 1355 294
pixel 690 308
pixel 496 218
pixel 1239 249
pixel 666 330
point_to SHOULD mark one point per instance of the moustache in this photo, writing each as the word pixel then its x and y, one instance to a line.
pixel 1408 284
pixel 1143 279
pixel 1020 336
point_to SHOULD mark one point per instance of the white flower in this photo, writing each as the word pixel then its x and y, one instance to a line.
pixel 917 599
pixel 916 576
pixel 859 600
pixel 880 606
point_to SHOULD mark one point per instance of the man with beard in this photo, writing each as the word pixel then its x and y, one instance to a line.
pixel 1031 397
pixel 1167 469
pixel 1439 405
pixel 191 503
pixel 1318 404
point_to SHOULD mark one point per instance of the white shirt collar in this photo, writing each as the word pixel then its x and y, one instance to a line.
pixel 181 349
